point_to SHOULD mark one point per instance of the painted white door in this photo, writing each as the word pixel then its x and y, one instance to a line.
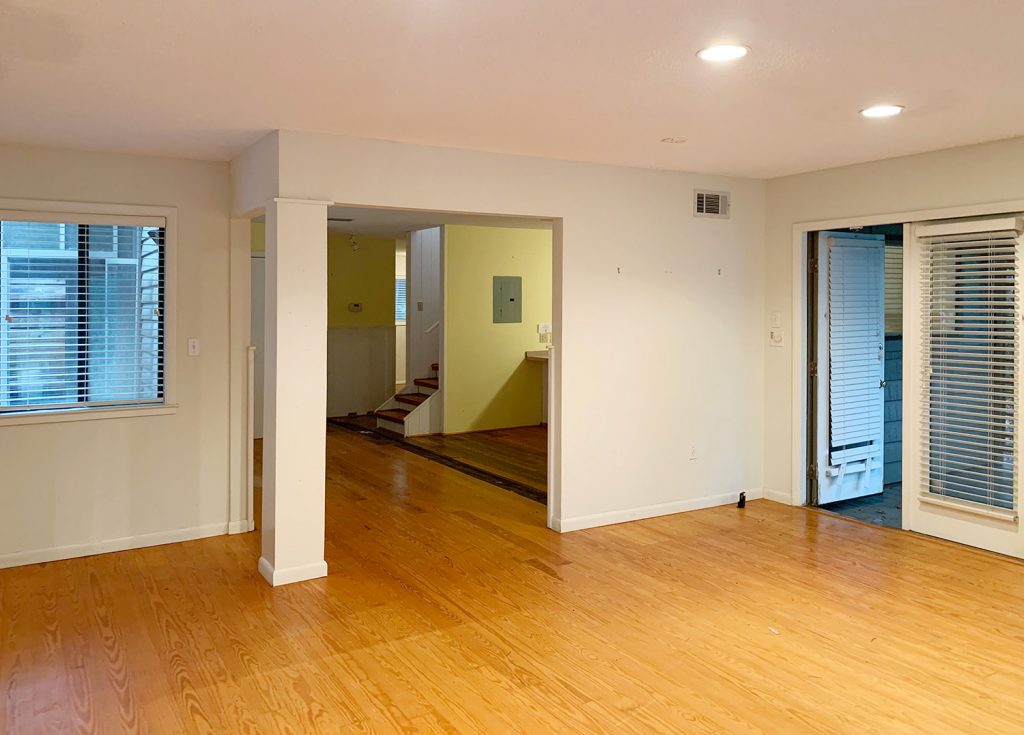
pixel 961 418
pixel 259 287
pixel 424 314
pixel 851 365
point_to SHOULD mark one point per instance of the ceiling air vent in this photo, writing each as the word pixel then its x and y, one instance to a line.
pixel 711 204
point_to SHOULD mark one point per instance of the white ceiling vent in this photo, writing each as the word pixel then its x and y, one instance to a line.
pixel 710 203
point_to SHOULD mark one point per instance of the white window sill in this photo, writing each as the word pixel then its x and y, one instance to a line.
pixel 86 414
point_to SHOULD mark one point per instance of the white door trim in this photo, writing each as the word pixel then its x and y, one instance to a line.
pixel 798 483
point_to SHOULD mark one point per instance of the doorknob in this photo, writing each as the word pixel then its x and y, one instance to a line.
pixel 881 383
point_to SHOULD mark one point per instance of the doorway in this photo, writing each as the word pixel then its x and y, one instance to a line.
pixel 960 358
pixel 463 388
pixel 855 372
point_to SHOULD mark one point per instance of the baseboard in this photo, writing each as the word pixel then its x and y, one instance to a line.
pixel 241 526
pixel 74 551
pixel 278 577
pixel 649 511
pixel 778 496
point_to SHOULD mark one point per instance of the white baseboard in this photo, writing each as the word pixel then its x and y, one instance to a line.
pixel 36 556
pixel 650 511
pixel 241 526
pixel 778 496
pixel 278 577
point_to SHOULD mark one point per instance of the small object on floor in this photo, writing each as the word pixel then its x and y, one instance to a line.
pixel 743 501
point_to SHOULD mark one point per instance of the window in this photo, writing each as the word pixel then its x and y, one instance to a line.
pixel 81 314
pixel 970 349
pixel 400 299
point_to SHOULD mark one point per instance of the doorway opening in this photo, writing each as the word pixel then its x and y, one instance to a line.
pixel 439 326
pixel 855 372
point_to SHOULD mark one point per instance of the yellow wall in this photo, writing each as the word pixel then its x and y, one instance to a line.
pixel 259 237
pixel 364 275
pixel 488 383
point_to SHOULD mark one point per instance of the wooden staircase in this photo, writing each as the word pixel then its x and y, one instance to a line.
pixel 394 416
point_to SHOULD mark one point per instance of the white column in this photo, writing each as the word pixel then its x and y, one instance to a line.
pixel 295 392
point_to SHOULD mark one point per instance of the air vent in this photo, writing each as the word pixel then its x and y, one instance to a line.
pixel 711 204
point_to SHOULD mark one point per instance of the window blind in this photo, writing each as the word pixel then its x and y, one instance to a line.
pixel 400 299
pixel 81 314
pixel 855 352
pixel 971 310
pixel 893 289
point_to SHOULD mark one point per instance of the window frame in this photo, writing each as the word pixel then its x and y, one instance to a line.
pixel 109 214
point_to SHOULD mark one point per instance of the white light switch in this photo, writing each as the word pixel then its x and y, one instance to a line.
pixel 776 318
pixel 193 346
pixel 544 328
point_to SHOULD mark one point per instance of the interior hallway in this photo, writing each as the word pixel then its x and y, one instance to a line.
pixel 449 607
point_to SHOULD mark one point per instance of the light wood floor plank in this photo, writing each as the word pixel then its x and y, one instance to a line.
pixel 451 609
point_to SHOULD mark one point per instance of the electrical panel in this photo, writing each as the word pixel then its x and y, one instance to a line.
pixel 508 299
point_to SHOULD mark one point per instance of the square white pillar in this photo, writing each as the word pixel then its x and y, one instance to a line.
pixel 295 392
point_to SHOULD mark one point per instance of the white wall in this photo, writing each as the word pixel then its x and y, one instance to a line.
pixel 257 286
pixel 360 369
pixel 645 293
pixel 975 175
pixel 73 488
pixel 423 328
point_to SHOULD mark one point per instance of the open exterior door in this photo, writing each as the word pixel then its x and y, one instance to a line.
pixel 851 365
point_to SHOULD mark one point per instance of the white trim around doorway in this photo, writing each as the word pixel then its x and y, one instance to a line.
pixel 798 482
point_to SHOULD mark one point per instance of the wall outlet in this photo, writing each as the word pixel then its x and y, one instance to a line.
pixel 545 338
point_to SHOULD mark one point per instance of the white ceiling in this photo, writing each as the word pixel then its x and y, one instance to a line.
pixel 593 80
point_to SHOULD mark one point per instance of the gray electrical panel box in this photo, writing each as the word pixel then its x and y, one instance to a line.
pixel 508 299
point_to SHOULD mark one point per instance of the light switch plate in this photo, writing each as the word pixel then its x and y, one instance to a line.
pixel 193 346
pixel 776 337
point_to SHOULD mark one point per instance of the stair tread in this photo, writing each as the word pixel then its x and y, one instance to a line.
pixel 411 398
pixel 426 382
pixel 393 414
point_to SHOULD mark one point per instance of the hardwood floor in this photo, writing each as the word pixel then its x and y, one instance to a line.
pixel 450 608
pixel 520 455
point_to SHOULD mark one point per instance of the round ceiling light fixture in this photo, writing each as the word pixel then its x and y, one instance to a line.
pixel 723 52
pixel 673 140
pixel 882 111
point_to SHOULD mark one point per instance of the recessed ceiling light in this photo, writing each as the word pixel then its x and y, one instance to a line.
pixel 723 52
pixel 673 140
pixel 882 111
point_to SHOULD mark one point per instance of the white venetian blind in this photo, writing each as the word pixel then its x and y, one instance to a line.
pixel 893 289
pixel 855 349
pixel 971 311
pixel 81 313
